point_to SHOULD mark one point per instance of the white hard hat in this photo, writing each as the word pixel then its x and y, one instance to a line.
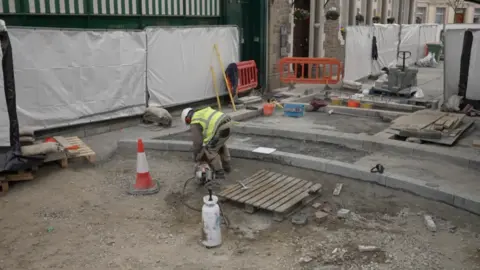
pixel 184 115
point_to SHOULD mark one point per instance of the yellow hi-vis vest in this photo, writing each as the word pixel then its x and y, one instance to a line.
pixel 209 119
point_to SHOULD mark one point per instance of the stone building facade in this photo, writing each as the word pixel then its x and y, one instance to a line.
pixel 280 26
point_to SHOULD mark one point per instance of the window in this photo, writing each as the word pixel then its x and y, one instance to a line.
pixel 440 15
pixel 422 14
pixel 358 10
pixel 389 1
pixel 374 12
pixel 476 16
pixel 389 12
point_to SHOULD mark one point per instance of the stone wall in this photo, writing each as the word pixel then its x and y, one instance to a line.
pixel 333 43
pixel 280 19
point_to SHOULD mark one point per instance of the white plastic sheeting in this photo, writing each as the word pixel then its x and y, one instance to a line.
pixel 452 58
pixel 358 61
pixel 66 77
pixel 387 41
pixel 179 60
pixel 358 48
pixel 473 85
pixel 454 26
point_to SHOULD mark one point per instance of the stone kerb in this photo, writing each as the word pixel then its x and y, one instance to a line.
pixel 364 142
pixel 395 181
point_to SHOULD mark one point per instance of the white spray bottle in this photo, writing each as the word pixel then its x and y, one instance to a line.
pixel 211 219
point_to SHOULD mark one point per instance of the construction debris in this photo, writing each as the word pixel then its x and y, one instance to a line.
pixel 338 189
pixel 41 148
pixel 476 143
pixel 299 219
pixel 158 116
pixel 316 205
pixel 363 248
pixel 320 216
pixel 430 223
pixel 343 213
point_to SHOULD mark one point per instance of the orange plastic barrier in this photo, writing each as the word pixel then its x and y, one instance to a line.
pixel 310 70
pixel 247 76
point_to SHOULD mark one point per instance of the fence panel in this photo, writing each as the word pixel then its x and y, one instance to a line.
pixel 9 6
pixel 163 7
pixel 114 7
pixel 69 7
pixel 202 8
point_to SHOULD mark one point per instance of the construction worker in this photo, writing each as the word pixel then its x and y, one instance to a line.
pixel 210 130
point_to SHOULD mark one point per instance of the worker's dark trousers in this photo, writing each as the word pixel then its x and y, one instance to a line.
pixel 218 154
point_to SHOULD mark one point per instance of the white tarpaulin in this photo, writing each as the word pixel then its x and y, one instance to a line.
pixel 473 85
pixel 454 26
pixel 452 58
pixel 358 52
pixel 409 42
pixel 66 77
pixel 387 40
pixel 358 47
pixel 179 60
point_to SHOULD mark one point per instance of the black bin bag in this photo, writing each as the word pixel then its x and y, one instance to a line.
pixel 12 159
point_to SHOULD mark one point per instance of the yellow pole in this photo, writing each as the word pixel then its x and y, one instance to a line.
pixel 225 77
pixel 216 88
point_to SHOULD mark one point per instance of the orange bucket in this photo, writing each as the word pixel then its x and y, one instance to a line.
pixel 353 103
pixel 268 109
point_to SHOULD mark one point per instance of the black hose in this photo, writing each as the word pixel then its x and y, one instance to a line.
pixel 184 201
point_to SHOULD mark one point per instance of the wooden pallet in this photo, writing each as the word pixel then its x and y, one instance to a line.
pixel 83 151
pixel 273 192
pixel 20 176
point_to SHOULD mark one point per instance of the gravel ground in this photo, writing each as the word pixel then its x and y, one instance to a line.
pixel 81 218
pixel 316 149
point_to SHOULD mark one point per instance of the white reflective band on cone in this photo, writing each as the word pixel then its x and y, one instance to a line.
pixel 142 165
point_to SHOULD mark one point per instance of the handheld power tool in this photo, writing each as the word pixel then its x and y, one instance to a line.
pixel 204 173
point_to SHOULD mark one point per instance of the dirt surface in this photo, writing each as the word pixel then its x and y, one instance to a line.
pixel 316 149
pixel 81 218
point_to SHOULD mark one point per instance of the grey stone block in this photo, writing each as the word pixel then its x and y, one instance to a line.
pixel 257 130
pixel 468 203
pixel 418 187
pixel 307 162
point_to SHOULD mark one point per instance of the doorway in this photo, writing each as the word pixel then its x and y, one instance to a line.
pixel 459 15
pixel 301 33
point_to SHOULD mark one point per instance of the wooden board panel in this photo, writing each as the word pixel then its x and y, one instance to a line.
pixel 272 192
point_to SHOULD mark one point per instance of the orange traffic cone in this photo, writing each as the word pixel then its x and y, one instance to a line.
pixel 144 185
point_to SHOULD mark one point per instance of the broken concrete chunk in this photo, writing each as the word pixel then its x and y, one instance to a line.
pixel 343 213
pixel 430 224
pixel 363 248
pixel 338 189
pixel 320 216
pixel 299 219
pixel 476 143
pixel 316 205
pixel 305 259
